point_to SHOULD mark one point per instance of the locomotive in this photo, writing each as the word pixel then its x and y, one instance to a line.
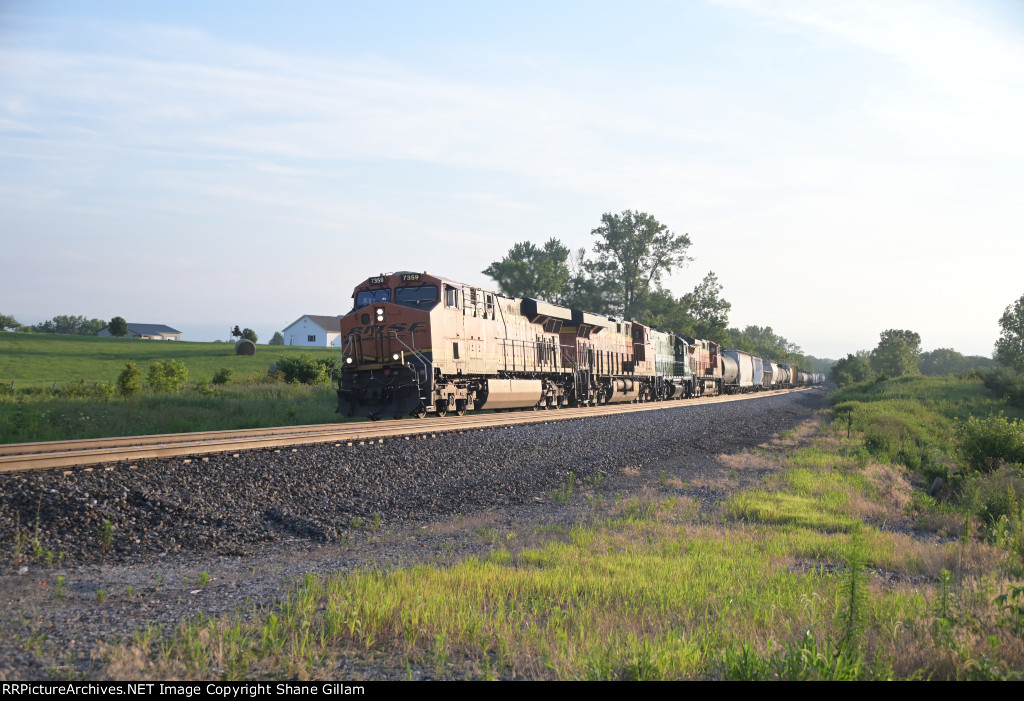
pixel 417 342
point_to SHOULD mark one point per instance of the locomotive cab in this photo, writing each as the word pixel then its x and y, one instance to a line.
pixel 386 345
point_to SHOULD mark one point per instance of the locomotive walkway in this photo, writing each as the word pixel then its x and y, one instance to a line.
pixel 21 457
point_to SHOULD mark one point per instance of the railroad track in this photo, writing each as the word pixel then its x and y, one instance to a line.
pixel 21 457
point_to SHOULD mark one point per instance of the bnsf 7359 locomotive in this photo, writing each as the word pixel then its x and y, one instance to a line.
pixel 416 342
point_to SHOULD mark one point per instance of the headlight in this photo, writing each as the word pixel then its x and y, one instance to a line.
pixel 380 314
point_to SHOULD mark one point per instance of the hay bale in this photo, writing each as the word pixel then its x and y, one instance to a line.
pixel 245 347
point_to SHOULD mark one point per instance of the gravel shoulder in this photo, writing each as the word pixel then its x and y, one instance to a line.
pixel 253 523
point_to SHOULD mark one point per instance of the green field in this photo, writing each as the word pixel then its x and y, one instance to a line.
pixel 64 389
pixel 39 360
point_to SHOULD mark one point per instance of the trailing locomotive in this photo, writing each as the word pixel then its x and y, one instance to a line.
pixel 416 343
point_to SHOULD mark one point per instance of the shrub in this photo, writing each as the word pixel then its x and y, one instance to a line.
pixel 986 443
pixel 129 382
pixel 305 369
pixel 1007 384
pixel 82 389
pixel 222 376
pixel 167 375
pixel 1000 494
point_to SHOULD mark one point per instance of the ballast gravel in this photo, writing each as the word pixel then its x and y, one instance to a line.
pixel 145 534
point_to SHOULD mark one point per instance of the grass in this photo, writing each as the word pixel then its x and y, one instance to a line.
pixel 39 360
pixel 84 404
pixel 794 580
pixel 815 574
pixel 237 405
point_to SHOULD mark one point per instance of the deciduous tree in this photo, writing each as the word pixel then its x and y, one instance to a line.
pixel 1010 346
pixel 529 271
pixel 634 251
pixel 709 310
pixel 129 382
pixel 853 368
pixel 249 335
pixel 277 339
pixel 71 325
pixel 898 353
pixel 7 321
pixel 118 327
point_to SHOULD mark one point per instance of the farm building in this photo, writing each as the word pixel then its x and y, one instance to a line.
pixel 314 330
pixel 155 331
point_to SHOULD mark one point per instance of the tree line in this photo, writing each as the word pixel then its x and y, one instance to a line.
pixel 898 353
pixel 623 276
pixel 71 325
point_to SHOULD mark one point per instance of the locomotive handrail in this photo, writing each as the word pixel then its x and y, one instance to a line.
pixel 417 355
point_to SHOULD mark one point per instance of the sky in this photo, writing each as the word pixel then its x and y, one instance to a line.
pixel 843 167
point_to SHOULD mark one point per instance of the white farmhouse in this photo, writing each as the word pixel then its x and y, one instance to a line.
pixel 314 330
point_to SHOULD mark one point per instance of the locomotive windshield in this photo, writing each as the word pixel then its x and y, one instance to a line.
pixel 370 296
pixel 423 295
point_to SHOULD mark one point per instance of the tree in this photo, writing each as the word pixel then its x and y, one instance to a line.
pixel 71 325
pixel 1010 346
pixel 946 361
pixel 898 353
pixel 129 382
pixel 528 271
pixel 584 290
pixel 118 327
pixel 634 251
pixel 763 342
pixel 709 311
pixel 660 309
pixel 277 339
pixel 7 321
pixel 851 369
pixel 249 335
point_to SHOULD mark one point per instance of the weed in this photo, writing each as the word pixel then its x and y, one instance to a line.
pixel 440 654
pixel 129 590
pixel 101 596
pixel 564 493
pixel 1011 604
pixel 855 600
pixel 107 536
pixel 60 587
pixel 204 579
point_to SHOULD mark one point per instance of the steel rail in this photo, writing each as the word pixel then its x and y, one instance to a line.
pixel 78 453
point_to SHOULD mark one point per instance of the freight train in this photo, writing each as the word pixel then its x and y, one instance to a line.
pixel 416 343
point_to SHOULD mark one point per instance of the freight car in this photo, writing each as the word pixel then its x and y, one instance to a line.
pixel 417 342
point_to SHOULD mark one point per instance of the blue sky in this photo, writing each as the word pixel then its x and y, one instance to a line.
pixel 844 168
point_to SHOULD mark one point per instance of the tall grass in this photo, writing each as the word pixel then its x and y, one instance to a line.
pixel 42 416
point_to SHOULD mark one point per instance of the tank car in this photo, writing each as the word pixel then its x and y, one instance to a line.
pixel 416 342
pixel 738 371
